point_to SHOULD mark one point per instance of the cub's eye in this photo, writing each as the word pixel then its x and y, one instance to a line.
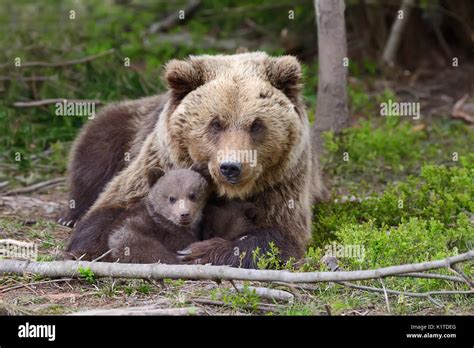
pixel 216 125
pixel 172 199
pixel 257 125
pixel 192 196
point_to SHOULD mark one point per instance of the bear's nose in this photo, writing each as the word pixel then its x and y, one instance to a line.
pixel 231 170
pixel 184 215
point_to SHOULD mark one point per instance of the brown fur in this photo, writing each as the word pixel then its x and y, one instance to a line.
pixel 96 159
pixel 230 220
pixel 245 102
pixel 154 230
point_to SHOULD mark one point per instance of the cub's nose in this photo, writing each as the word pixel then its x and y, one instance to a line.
pixel 231 170
pixel 185 215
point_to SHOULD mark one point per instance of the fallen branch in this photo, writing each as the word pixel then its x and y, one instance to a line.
pixel 59 64
pixel 144 310
pixel 16 203
pixel 35 187
pixel 460 114
pixel 56 269
pixel 271 294
pixel 463 275
pixel 34 103
pixel 332 264
pixel 428 295
pixel 173 19
pixel 5 289
pixel 432 276
pixel 27 78
pixel 264 307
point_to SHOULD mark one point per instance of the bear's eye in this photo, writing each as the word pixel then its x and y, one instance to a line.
pixel 257 126
pixel 216 125
pixel 172 199
pixel 192 196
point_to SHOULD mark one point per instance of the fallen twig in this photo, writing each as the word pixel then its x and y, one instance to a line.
pixel 42 102
pixel 5 289
pixel 4 184
pixel 55 269
pixel 271 294
pixel 457 270
pixel 144 310
pixel 385 295
pixel 331 262
pixel 27 78
pixel 431 276
pixel 459 114
pixel 173 19
pixel 35 187
pixel 27 202
pixel 264 307
pixel 59 64
pixel 428 295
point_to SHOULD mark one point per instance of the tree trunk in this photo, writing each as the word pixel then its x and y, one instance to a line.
pixel 332 111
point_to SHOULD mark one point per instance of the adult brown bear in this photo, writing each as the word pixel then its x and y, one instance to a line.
pixel 241 116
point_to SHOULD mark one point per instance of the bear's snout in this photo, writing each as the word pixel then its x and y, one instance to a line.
pixel 231 171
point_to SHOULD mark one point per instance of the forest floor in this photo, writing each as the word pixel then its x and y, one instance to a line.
pixel 31 217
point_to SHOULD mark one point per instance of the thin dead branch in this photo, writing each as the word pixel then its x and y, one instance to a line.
pixel 263 307
pixel 36 187
pixel 271 294
pixel 61 64
pixel 42 102
pixel 458 113
pixel 5 289
pixel 144 310
pixel 173 19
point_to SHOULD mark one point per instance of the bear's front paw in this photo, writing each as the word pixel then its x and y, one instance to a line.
pixel 203 252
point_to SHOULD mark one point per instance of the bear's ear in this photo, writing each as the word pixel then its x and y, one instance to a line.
pixel 153 175
pixel 183 77
pixel 284 73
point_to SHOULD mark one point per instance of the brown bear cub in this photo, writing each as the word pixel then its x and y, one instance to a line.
pixel 170 218
pixel 230 220
pixel 163 222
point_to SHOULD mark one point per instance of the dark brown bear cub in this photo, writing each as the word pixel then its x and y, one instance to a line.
pixel 230 220
pixel 163 222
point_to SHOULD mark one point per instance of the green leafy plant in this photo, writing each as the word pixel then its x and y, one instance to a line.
pixel 245 299
pixel 87 274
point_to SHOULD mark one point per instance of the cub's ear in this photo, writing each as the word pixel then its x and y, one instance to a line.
pixel 183 77
pixel 153 175
pixel 284 73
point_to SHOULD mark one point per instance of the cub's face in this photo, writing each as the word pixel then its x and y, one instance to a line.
pixel 180 197
pixel 241 125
